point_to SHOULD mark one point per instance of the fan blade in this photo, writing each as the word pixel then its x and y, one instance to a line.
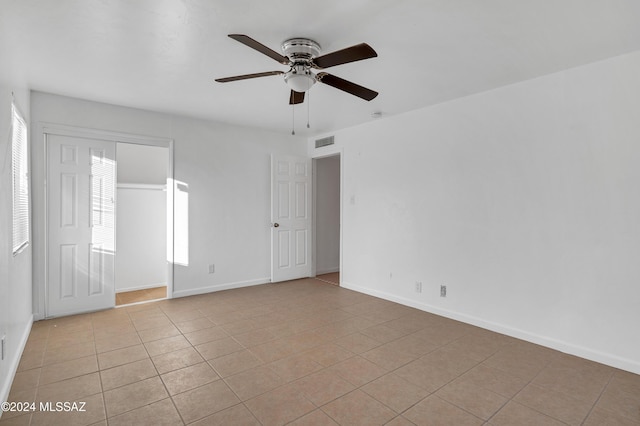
pixel 248 41
pixel 350 54
pixel 246 76
pixel 296 97
pixel 347 86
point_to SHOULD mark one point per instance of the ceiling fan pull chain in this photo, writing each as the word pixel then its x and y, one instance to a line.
pixel 308 108
pixel 293 119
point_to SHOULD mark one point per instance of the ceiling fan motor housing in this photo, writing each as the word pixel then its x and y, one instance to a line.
pixel 300 49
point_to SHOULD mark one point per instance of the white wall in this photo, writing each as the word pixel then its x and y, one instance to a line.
pixel 15 271
pixel 523 200
pixel 327 214
pixel 226 168
pixel 142 164
pixel 141 238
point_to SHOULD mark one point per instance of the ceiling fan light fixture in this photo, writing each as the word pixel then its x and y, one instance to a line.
pixel 299 79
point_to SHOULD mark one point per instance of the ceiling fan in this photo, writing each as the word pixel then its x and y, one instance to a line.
pixel 302 55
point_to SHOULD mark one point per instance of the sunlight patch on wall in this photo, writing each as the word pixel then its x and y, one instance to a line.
pixel 178 215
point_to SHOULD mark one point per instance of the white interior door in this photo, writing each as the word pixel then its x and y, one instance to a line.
pixel 290 218
pixel 81 194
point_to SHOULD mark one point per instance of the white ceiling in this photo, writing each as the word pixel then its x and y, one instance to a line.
pixel 163 55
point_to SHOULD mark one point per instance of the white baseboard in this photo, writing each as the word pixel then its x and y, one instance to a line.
pixel 220 287
pixel 580 351
pixel 140 287
pixel 5 386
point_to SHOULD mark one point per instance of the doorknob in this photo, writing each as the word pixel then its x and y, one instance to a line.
pixel 275 225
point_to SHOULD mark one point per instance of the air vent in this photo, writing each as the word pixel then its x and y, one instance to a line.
pixel 324 142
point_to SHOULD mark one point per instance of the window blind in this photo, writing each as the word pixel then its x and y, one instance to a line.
pixel 20 173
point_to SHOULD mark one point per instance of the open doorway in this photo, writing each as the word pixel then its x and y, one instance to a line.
pixel 327 218
pixel 80 217
pixel 141 217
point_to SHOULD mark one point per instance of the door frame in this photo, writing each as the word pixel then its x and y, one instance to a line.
pixel 314 159
pixel 41 300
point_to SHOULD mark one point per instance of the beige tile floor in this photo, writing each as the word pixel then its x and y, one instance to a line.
pixel 306 353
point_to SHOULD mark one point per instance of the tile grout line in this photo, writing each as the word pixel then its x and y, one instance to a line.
pixel 208 363
pixel 520 391
pixel 604 388
pixel 104 403
pixel 173 402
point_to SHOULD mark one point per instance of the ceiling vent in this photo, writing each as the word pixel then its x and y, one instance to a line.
pixel 324 142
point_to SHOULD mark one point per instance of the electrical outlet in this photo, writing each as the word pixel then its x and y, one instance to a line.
pixel 212 268
pixel 443 291
pixel 418 287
